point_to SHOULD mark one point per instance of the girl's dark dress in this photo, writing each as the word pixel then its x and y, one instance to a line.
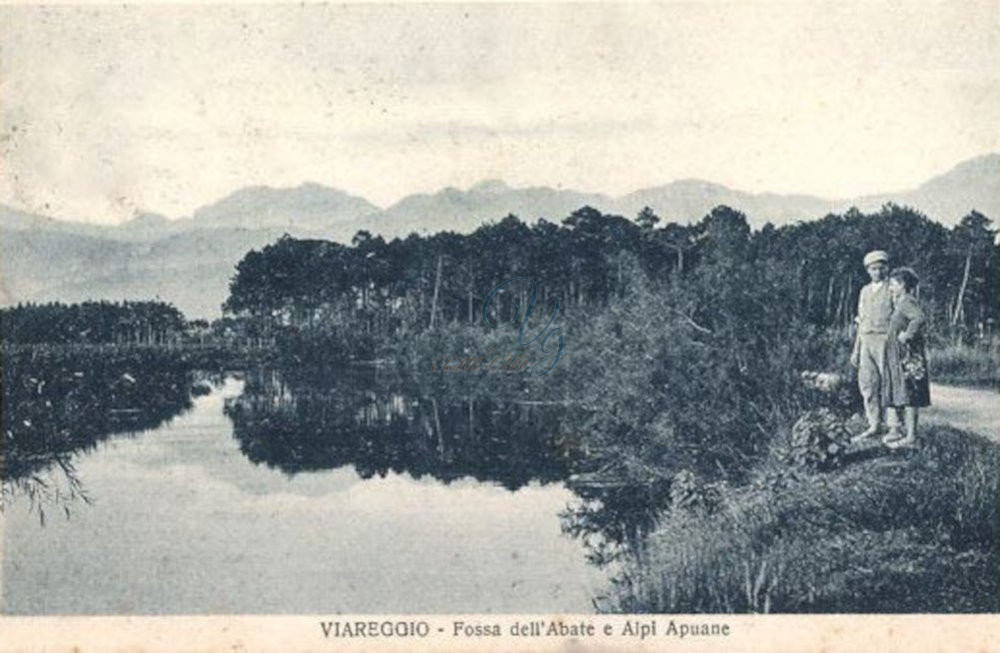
pixel 906 382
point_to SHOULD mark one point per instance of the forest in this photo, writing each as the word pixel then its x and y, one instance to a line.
pixel 376 290
pixel 95 322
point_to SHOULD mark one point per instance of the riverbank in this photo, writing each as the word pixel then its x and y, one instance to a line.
pixel 903 531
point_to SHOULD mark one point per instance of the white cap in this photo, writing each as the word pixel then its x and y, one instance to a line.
pixel 877 256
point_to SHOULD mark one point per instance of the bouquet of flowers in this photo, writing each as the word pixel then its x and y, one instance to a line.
pixel 914 365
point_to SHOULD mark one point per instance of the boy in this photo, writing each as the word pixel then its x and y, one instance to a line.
pixel 874 309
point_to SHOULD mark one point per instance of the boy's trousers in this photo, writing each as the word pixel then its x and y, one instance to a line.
pixel 871 372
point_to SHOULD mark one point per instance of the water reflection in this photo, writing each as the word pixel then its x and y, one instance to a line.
pixel 295 421
pixel 378 427
pixel 372 422
pixel 183 522
pixel 56 406
pixel 285 459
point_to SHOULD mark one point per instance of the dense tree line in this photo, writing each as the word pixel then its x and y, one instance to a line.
pixel 960 277
pixel 101 322
pixel 377 289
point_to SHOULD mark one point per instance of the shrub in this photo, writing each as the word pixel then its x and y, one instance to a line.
pixel 819 440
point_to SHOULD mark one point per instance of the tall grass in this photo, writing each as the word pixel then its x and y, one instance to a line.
pixel 965 364
pixel 906 532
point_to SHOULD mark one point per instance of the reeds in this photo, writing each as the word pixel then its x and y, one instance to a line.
pixel 963 364
pixel 910 532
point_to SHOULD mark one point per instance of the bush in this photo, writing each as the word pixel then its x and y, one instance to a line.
pixel 819 440
pixel 694 374
pixel 414 357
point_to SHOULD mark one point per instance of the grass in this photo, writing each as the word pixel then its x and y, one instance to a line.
pixel 970 365
pixel 895 532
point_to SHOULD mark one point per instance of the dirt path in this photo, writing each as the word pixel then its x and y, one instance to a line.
pixel 964 408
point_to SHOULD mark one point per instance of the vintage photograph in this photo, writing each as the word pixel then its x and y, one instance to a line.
pixel 513 309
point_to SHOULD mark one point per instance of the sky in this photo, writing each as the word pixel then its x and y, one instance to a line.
pixel 107 110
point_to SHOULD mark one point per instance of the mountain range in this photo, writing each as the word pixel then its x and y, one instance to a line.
pixel 189 261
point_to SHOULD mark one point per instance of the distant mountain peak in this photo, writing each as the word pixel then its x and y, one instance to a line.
pixel 990 158
pixel 490 187
pixel 146 219
pixel 309 205
pixel 983 169
pixel 686 185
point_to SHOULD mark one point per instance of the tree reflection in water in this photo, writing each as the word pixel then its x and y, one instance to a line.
pixel 57 406
pixel 58 403
pixel 380 425
pixel 377 426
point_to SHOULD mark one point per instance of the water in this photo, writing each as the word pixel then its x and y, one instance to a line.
pixel 250 500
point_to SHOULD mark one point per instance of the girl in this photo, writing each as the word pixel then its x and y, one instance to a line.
pixel 906 387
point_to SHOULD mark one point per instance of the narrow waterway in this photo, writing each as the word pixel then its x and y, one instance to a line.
pixel 179 519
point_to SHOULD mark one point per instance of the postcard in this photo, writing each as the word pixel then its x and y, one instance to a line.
pixel 500 327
